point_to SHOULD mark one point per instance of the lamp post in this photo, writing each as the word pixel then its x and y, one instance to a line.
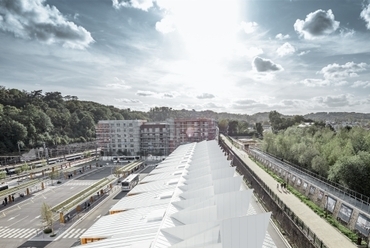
pixel 326 205
pixel 19 149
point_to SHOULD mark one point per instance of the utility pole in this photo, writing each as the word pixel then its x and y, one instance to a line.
pixel 19 150
pixel 46 154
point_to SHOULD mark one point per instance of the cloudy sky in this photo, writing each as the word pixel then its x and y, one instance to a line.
pixel 235 56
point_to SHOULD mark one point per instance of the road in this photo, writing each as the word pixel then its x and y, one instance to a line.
pixel 20 224
pixel 22 221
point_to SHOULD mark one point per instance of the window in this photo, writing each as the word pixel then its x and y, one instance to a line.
pixel 118 124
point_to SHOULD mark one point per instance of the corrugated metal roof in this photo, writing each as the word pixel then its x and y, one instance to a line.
pixel 194 198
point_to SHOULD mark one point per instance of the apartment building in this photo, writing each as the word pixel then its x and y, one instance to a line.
pixel 154 139
pixel 116 137
pixel 183 131
pixel 138 137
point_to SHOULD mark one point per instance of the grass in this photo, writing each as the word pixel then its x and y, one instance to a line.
pixel 319 211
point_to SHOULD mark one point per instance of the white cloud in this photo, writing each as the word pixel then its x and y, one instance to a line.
pixel 125 100
pixel 137 4
pixel 118 86
pixel 365 14
pixel 265 65
pixel 40 21
pixel 313 82
pixel 250 52
pixel 166 25
pixel 249 27
pixel 156 94
pixel 362 84
pixel 285 49
pixel 316 25
pixel 212 105
pixel 347 33
pixel 303 53
pixel 249 104
pixel 282 37
pixel 145 93
pixel 337 72
pixel 342 100
pixel 205 96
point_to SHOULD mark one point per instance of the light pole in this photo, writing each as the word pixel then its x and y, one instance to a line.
pixel 19 150
pixel 326 205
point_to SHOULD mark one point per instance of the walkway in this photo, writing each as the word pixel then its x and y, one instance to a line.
pixel 323 230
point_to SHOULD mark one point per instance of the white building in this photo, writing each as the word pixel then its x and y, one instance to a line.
pixel 116 137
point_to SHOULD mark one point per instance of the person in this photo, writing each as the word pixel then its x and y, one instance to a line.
pixel 6 201
pixel 277 186
pixel 13 198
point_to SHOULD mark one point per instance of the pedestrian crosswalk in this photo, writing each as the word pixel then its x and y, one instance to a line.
pixel 10 233
pixel 24 233
pixel 80 183
pixel 73 233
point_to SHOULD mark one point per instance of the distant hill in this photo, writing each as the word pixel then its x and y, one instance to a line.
pixel 339 117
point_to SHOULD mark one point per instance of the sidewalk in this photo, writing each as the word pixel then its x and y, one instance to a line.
pixel 323 230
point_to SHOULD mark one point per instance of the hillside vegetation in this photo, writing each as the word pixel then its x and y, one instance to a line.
pixel 342 155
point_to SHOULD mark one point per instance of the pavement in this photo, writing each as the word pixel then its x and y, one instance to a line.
pixel 322 229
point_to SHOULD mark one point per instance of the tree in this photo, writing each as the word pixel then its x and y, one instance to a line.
pixel 233 127
pixel 222 125
pixel 259 129
pixel 47 217
pixel 53 175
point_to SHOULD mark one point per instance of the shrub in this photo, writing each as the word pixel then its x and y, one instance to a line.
pixel 47 230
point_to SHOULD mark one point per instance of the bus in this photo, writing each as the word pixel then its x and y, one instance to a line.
pixel 130 182
pixel 3 187
pixel 127 158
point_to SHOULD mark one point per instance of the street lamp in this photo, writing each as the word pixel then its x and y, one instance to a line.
pixel 326 205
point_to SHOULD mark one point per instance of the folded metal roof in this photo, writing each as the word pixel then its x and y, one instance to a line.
pixel 193 198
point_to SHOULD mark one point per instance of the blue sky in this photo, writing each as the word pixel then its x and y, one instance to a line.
pixel 245 57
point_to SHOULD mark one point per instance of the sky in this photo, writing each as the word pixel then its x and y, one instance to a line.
pixel 235 56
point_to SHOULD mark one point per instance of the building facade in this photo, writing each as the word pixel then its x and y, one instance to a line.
pixel 154 139
pixel 138 137
pixel 119 137
pixel 183 131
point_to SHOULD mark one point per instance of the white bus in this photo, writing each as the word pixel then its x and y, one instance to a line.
pixel 130 182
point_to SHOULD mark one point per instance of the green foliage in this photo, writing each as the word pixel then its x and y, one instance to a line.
pixel 34 118
pixel 47 217
pixel 278 122
pixel 2 175
pixel 341 156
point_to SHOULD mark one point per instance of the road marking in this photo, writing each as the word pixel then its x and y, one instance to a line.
pixel 13 217
pixel 97 217
pixel 18 221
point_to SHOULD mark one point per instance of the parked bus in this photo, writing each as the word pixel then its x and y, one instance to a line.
pixel 130 182
pixel 3 187
pixel 127 158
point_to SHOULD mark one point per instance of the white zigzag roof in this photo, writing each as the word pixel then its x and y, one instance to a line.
pixel 193 199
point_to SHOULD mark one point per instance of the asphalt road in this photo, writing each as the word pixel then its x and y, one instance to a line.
pixel 21 220
pixel 21 224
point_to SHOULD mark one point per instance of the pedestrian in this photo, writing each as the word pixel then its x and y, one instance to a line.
pixel 6 201
pixel 277 186
pixel 13 198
